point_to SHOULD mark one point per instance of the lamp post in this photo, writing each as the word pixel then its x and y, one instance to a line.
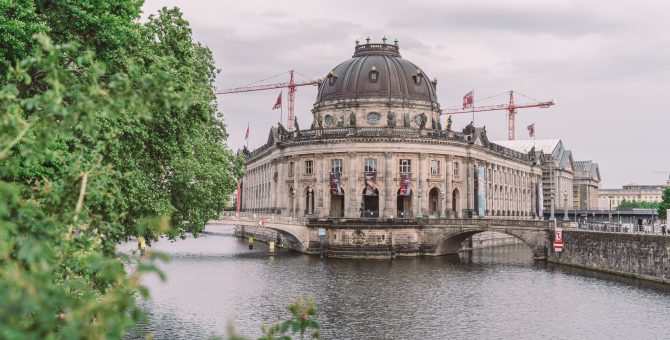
pixel 442 207
pixel 586 213
pixel 552 218
pixel 293 203
pixel 565 216
pixel 309 201
pixel 609 225
pixel 653 231
pixel 419 199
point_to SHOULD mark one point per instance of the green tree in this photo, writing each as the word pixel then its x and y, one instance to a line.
pixel 59 275
pixel 664 204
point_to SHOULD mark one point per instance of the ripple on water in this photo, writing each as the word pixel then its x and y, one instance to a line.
pixel 494 293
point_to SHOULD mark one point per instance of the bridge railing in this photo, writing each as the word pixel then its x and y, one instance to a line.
pixel 231 215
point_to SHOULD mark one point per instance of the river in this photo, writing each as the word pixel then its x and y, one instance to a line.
pixel 493 293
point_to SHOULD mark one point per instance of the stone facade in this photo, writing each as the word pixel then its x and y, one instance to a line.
pixel 379 113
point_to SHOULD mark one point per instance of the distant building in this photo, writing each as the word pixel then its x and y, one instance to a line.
pixel 563 174
pixel 637 192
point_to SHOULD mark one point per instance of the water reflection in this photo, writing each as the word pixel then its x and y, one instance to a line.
pixel 489 293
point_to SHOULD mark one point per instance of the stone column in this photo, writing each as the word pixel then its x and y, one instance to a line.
pixel 423 184
pixel 352 183
pixel 281 180
pixel 319 187
pixel 326 193
pixel 389 194
pixel 300 195
pixel 448 185
pixel 470 186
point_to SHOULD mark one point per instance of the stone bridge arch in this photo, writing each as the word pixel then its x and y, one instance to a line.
pixel 448 241
pixel 297 236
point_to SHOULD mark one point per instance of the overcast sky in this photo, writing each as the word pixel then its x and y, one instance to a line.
pixel 606 64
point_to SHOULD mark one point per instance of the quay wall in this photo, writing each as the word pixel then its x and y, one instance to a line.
pixel 634 255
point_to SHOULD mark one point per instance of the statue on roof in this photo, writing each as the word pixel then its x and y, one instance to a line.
pixel 281 130
pixel 319 121
pixel 448 127
pixel 295 124
pixel 352 120
pixel 424 119
pixel 389 119
pixel 469 129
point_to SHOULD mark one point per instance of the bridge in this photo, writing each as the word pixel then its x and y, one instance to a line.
pixel 384 238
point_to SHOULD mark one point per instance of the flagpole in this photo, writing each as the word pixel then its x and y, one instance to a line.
pixel 473 107
pixel 247 135
pixel 281 106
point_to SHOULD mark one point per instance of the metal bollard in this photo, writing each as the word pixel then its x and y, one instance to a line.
pixel 143 246
pixel 251 243
pixel 272 248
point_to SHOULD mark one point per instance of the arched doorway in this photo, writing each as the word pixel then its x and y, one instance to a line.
pixel 336 205
pixel 404 205
pixel 433 201
pixel 370 203
pixel 456 203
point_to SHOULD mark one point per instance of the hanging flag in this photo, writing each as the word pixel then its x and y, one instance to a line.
pixel 531 130
pixel 247 136
pixel 467 100
pixel 278 103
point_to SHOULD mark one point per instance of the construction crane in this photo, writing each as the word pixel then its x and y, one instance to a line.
pixel 291 92
pixel 511 108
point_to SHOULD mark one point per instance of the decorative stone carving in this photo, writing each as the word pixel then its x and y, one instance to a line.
pixel 319 156
pixel 422 156
pixel 448 127
pixel 281 130
pixel 353 155
pixel 352 120
pixel 424 119
pixel 388 154
pixel 389 119
pixel 319 121
pixel 469 129
pixel 448 158
pixel 295 124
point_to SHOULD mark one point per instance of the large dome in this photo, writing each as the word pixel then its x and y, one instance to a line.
pixel 377 70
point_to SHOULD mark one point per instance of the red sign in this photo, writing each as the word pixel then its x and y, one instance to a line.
pixel 558 246
pixel 261 223
pixel 559 235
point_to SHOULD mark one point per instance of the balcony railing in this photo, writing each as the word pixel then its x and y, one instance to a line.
pixel 336 213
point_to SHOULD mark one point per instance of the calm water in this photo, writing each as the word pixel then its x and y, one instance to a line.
pixel 495 293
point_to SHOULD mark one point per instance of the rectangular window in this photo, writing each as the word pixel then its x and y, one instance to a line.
pixel 371 165
pixel 455 169
pixel 336 165
pixel 309 167
pixel 290 169
pixel 434 167
pixel 405 165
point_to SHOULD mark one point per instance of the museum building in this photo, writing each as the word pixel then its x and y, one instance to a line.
pixel 376 149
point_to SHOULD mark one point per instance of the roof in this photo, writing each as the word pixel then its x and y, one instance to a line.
pixel 553 148
pixel 377 71
pixel 589 167
pixel 630 190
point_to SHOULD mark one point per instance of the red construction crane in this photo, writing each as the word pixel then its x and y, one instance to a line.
pixel 511 108
pixel 291 93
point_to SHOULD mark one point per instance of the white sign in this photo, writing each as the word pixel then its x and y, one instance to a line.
pixel 261 223
pixel 559 235
pixel 574 225
pixel 322 232
pixel 558 246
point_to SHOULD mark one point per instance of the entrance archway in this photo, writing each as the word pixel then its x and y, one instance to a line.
pixel 370 203
pixel 433 201
pixel 404 205
pixel 336 206
pixel 456 203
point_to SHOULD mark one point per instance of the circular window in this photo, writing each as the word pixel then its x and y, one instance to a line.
pixel 373 117
pixel 417 120
pixel 329 120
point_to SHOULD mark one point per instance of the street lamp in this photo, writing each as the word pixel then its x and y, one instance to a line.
pixel 565 215
pixel 609 225
pixel 419 196
pixel 552 218
pixel 443 207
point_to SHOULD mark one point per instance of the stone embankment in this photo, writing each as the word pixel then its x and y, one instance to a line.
pixel 635 255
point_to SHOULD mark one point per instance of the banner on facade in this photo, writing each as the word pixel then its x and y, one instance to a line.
pixel 540 200
pixel 481 191
pixel 371 184
pixel 335 188
pixel 405 184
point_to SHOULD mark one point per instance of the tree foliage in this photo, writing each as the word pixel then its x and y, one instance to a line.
pixel 664 204
pixel 630 205
pixel 59 276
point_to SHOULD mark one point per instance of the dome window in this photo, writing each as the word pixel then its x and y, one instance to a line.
pixel 417 78
pixel 332 79
pixel 374 75
pixel 373 117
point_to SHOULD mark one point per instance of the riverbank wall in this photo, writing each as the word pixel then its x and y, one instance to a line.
pixel 634 255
